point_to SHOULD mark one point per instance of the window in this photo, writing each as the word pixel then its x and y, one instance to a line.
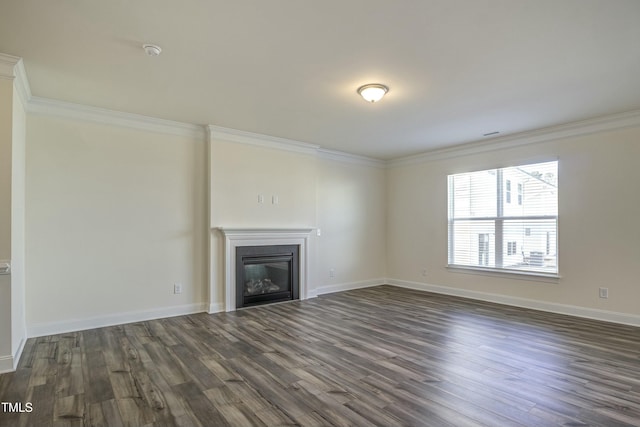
pixel 486 231
pixel 519 193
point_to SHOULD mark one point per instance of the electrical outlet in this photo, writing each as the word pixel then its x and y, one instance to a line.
pixel 424 271
pixel 177 288
pixel 332 273
pixel 5 266
pixel 260 198
pixel 604 292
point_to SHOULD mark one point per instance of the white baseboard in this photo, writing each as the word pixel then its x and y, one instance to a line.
pixel 216 307
pixel 312 293
pixel 18 353
pixel 72 325
pixel 572 310
pixel 10 363
pixel 6 364
pixel 328 289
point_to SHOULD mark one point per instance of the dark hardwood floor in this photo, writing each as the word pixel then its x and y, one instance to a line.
pixel 381 356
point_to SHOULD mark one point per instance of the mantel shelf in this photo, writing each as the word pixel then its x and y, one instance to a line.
pixel 231 231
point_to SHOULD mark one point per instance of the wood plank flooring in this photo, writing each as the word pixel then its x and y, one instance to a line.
pixel 382 356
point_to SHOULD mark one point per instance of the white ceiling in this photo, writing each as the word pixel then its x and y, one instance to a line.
pixel 456 69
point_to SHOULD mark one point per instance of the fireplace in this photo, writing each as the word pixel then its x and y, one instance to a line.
pixel 267 274
pixel 235 238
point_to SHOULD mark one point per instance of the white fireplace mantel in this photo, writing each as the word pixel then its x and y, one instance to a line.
pixel 235 237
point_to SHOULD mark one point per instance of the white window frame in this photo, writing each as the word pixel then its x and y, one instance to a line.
pixel 499 222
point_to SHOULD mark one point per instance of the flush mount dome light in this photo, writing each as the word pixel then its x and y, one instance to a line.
pixel 152 49
pixel 373 92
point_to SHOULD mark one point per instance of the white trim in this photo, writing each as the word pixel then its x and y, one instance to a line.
pixel 583 127
pixel 12 68
pixel 339 156
pixel 10 363
pixel 276 143
pixel 68 110
pixel 529 275
pixel 216 307
pixel 213 306
pixel 73 325
pixel 236 237
pixel 18 353
pixel 8 66
pixel 243 137
pixel 6 364
pixel 340 287
pixel 552 307
pixel 21 84
pixel 312 293
pixel 252 233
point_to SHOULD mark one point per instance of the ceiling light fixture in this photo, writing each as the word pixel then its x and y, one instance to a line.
pixel 373 92
pixel 152 49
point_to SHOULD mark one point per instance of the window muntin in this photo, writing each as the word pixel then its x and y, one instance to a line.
pixel 487 231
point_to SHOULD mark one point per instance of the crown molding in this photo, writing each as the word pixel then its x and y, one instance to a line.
pixel 568 130
pixel 7 66
pixel 68 110
pixel 21 83
pixel 340 156
pixel 260 140
pixel 12 68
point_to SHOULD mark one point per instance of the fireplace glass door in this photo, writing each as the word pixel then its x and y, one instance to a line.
pixel 266 274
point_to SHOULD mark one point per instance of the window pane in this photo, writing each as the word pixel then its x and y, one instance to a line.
pixel 473 244
pixel 474 194
pixel 535 243
pixel 537 190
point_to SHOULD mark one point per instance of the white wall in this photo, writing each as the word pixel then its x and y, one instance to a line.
pixel 599 207
pixel 115 217
pixel 345 199
pixel 242 172
pixel 352 218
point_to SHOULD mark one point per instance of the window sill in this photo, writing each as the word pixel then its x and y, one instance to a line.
pixel 514 274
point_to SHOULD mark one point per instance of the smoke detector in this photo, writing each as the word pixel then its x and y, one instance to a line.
pixel 152 49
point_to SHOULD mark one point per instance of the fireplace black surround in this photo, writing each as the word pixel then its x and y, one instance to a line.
pixel 267 274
